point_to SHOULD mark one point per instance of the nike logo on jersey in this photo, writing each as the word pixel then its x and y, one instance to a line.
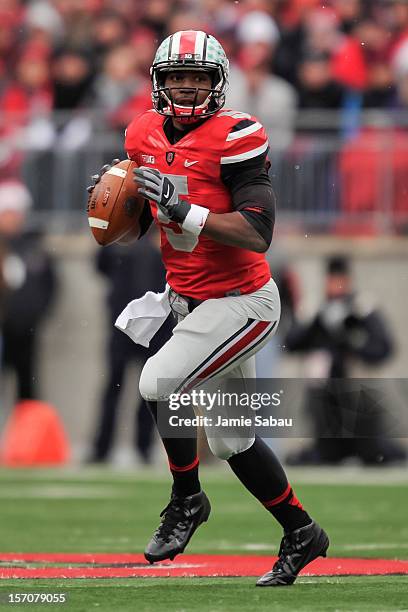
pixel 166 195
pixel 188 163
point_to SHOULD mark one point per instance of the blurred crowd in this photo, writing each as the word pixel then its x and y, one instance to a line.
pixel 69 54
pixel 82 57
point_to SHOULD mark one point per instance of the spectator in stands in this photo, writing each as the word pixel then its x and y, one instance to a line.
pixel 375 42
pixel 28 272
pixel 345 330
pixel 186 19
pixel 144 47
pixel 394 14
pixel 319 31
pixel 120 91
pixel 349 13
pixel 29 94
pixel 381 91
pixel 293 11
pixel 374 165
pixel 311 161
pixel 130 10
pixel 220 15
pixel 156 16
pixel 252 88
pixel 317 88
pixel 10 24
pixel 78 17
pixel 72 75
pixel 44 26
pixel 109 30
pixel 25 108
pixel 323 34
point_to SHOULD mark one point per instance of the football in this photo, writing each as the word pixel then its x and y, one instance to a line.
pixel 114 206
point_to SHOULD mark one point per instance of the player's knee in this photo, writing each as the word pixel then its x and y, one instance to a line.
pixel 153 384
pixel 225 448
pixel 148 381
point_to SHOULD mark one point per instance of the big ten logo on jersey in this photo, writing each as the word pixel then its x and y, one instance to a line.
pixel 179 239
pixel 147 159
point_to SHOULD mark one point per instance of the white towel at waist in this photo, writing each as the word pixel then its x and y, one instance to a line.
pixel 142 318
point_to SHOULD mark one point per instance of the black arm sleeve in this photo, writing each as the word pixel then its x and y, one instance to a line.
pixel 252 193
pixel 146 219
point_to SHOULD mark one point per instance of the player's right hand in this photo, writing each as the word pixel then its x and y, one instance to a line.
pixel 156 186
pixel 95 178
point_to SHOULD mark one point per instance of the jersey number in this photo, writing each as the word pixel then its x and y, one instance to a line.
pixel 178 238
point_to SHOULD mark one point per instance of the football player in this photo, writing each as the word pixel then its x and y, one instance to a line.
pixel 204 171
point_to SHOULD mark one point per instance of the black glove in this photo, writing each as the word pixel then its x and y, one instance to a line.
pixel 95 178
pixel 157 187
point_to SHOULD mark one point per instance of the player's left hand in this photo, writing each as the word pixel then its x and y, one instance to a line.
pixel 157 187
pixel 95 178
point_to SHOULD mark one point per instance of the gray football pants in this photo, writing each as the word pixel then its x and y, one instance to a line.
pixel 215 343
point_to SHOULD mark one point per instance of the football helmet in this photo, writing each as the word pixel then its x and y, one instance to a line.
pixel 189 50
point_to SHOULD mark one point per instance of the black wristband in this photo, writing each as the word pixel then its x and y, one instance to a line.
pixel 180 211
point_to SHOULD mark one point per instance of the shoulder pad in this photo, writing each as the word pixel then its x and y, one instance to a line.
pixel 245 137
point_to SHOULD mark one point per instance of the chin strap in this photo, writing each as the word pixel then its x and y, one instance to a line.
pixel 184 113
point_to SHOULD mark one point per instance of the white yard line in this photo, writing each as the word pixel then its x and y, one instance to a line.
pixel 374 546
pixel 336 475
pixel 272 548
pixel 350 475
pixel 63 491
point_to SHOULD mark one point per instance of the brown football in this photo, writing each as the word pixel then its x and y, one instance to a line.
pixel 114 206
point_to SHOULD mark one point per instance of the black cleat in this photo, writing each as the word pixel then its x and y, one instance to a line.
pixel 181 517
pixel 297 549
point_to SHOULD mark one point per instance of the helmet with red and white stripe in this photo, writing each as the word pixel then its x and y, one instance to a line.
pixel 189 50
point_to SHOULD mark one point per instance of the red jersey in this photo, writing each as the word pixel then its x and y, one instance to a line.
pixel 198 266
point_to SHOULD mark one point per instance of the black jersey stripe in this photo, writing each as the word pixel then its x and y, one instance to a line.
pixel 244 123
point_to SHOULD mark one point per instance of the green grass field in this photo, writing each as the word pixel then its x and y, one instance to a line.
pixel 103 511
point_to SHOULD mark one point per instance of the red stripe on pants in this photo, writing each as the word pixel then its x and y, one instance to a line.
pixel 233 350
